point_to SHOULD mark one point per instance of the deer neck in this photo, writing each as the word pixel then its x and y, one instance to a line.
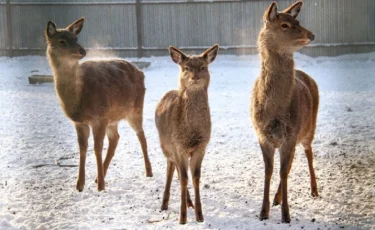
pixel 277 77
pixel 196 106
pixel 68 84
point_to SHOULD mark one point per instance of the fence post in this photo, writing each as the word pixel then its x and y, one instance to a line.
pixel 9 28
pixel 138 15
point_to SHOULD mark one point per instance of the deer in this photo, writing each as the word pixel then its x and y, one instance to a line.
pixel 183 122
pixel 96 94
pixel 284 102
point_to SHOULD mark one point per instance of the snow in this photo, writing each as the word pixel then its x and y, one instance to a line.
pixel 34 132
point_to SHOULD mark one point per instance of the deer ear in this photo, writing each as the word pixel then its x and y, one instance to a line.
pixel 177 55
pixel 271 13
pixel 76 26
pixel 51 29
pixel 294 9
pixel 210 54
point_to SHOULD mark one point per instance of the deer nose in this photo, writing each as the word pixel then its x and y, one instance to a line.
pixel 82 51
pixel 311 36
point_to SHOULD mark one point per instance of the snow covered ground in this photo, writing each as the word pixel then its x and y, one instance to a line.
pixel 35 193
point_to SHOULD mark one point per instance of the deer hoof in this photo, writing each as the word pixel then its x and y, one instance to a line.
pixel 287 221
pixel 263 215
pixel 199 217
pixel 164 206
pixel 277 199
pixel 314 192
pixel 190 204
pixel 183 221
pixel 101 186
pixel 149 173
pixel 275 203
pixel 80 186
pixel 285 218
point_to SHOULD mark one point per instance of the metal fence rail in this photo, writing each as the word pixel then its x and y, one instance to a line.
pixel 137 28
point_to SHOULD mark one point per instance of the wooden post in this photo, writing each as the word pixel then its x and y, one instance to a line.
pixel 138 15
pixel 9 28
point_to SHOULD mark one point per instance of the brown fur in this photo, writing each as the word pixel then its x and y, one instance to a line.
pixel 284 102
pixel 183 120
pixel 96 94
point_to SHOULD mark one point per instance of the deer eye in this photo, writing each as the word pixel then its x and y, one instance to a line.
pixel 186 68
pixel 203 68
pixel 284 25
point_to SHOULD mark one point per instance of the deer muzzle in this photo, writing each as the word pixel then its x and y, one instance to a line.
pixel 311 36
pixel 80 53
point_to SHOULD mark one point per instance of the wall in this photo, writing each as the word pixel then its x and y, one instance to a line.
pixel 131 28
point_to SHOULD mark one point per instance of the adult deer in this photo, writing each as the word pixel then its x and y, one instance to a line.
pixel 96 94
pixel 184 124
pixel 284 102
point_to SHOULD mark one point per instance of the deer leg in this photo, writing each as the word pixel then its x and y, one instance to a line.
pixel 142 140
pixel 83 133
pixel 99 134
pixel 278 196
pixel 195 167
pixel 309 156
pixel 182 171
pixel 268 152
pixel 189 202
pixel 286 156
pixel 113 138
pixel 170 170
pixel 136 122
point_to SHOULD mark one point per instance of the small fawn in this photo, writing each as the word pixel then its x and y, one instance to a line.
pixel 284 102
pixel 184 124
pixel 96 94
